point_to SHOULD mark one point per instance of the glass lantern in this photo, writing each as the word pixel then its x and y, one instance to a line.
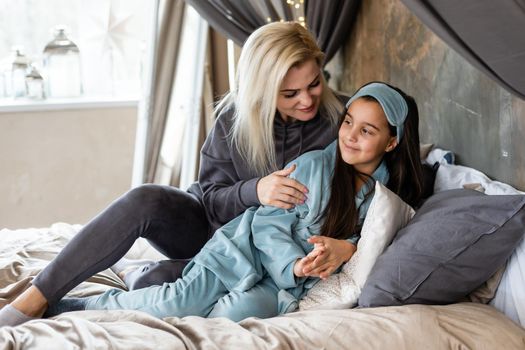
pixel 18 74
pixel 62 66
pixel 5 77
pixel 34 84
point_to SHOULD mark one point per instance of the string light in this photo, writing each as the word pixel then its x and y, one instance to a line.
pixel 297 9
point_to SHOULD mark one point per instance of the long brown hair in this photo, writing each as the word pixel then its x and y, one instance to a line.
pixel 404 166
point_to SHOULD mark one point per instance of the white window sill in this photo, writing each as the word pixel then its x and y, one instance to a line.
pixel 85 102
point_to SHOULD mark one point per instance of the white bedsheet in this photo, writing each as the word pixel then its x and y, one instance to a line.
pixel 23 253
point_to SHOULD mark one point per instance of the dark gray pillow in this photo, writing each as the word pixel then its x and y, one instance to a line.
pixel 454 243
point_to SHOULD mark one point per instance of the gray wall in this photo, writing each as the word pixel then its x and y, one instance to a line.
pixel 460 108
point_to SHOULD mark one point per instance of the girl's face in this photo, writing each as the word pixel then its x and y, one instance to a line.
pixel 300 92
pixel 364 136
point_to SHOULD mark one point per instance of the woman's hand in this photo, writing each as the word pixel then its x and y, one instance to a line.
pixel 326 257
pixel 280 191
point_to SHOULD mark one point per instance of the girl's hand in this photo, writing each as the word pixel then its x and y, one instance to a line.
pixel 327 256
pixel 300 264
pixel 280 191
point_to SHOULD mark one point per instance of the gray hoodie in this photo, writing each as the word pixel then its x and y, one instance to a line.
pixel 227 185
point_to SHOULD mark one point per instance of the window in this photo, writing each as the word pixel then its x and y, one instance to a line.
pixel 110 35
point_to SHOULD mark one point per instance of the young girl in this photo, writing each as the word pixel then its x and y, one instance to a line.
pixel 261 262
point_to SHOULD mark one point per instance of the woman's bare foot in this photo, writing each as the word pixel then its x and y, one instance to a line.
pixel 27 306
pixel 31 302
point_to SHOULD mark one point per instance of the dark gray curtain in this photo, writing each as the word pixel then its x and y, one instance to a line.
pixel 490 34
pixel 329 20
pixel 235 19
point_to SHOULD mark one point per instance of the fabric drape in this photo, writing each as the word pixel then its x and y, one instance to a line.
pixel 329 20
pixel 170 29
pixel 235 19
pixel 487 33
pixel 179 107
pixel 177 164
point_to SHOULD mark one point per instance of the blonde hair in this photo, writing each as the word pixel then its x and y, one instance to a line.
pixel 267 55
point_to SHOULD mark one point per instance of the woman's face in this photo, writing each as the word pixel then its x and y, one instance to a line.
pixel 364 136
pixel 300 92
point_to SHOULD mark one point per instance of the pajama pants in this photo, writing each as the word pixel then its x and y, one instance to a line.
pixel 172 220
pixel 199 292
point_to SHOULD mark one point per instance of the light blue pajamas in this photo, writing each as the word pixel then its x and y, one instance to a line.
pixel 246 269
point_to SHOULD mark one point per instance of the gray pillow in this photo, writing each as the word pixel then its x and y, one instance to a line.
pixel 454 243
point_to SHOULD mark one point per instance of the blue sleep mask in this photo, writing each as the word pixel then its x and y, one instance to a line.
pixel 393 104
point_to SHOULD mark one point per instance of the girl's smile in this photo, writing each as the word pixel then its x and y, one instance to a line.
pixel 364 135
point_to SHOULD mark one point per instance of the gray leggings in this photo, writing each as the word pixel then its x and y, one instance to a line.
pixel 172 220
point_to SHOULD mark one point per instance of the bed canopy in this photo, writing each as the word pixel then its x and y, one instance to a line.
pixel 487 33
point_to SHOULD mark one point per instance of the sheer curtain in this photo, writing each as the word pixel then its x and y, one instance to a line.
pixel 177 162
pixel 177 113
pixel 153 107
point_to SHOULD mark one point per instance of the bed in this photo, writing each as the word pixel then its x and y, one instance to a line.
pixel 461 325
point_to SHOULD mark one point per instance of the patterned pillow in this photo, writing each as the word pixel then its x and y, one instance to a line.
pixel 386 215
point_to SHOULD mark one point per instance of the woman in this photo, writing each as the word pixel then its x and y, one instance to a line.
pixel 261 262
pixel 279 109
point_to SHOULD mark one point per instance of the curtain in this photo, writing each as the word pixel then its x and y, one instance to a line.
pixel 176 112
pixel 235 19
pixel 487 33
pixel 178 157
pixel 165 63
pixel 329 20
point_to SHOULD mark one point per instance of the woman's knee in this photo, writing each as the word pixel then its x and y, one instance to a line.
pixel 174 221
pixel 151 193
pixel 145 194
pixel 160 200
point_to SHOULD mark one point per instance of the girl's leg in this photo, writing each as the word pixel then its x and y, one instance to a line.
pixel 259 301
pixel 194 294
pixel 172 220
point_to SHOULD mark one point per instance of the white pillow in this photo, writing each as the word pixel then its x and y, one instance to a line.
pixel 386 215
pixel 451 176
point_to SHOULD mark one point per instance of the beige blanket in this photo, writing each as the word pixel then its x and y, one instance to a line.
pixel 24 252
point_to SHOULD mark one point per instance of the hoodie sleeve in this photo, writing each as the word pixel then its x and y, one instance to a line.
pixel 281 235
pixel 225 194
pixel 272 230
